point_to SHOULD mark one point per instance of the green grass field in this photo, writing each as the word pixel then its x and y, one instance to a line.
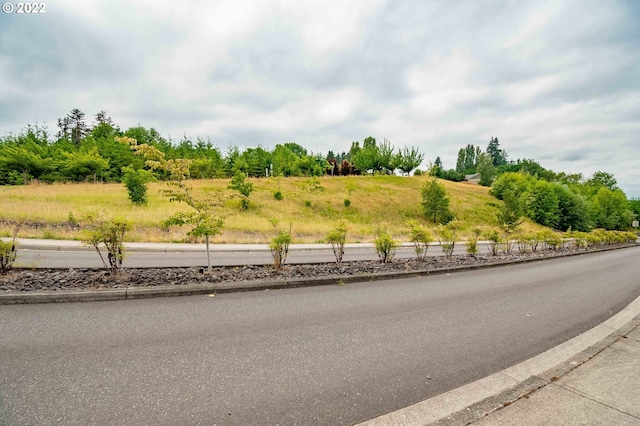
pixel 377 203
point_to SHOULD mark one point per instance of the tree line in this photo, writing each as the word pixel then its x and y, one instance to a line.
pixel 558 200
pixel 567 203
pixel 82 151
pixel 94 152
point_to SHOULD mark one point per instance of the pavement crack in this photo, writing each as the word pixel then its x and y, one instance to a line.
pixel 593 399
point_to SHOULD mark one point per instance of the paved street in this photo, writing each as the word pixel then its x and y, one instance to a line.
pixel 323 355
pixel 72 254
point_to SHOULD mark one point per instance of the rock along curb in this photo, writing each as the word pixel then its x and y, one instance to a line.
pixel 211 288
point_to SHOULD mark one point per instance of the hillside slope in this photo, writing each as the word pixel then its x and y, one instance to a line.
pixel 377 203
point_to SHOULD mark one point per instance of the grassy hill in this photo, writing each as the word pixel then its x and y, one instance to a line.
pixel 377 203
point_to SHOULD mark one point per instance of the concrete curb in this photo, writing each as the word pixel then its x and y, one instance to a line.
pixel 212 288
pixel 478 399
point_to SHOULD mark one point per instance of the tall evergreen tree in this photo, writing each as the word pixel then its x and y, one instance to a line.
pixel 76 125
pixel 460 161
pixel 498 156
pixel 468 159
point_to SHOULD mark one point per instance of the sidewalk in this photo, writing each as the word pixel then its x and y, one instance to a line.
pixel 593 379
pixel 603 391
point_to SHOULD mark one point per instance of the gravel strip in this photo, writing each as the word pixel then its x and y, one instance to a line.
pixel 98 279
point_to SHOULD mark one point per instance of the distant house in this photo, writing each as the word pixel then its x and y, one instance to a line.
pixel 474 178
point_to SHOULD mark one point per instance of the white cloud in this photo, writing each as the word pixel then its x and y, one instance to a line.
pixel 555 81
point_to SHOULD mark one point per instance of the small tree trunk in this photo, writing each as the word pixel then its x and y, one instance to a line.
pixel 24 176
pixel 206 240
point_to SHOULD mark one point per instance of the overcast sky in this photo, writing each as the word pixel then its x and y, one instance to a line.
pixel 556 81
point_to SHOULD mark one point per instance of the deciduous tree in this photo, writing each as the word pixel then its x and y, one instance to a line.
pixel 611 209
pixel 435 202
pixel 206 217
pixel 85 163
pixel 486 169
pixel 409 159
pixel 541 204
pixel 510 214
pixel 28 158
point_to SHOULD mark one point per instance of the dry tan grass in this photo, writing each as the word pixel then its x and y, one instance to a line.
pixel 377 203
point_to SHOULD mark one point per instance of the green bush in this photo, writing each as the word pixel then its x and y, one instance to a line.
pixel 552 241
pixel 536 237
pixel 579 239
pixel 507 243
pixel 110 233
pixel 447 237
pixel 385 247
pixel 337 238
pixel 523 242
pixel 593 239
pixel 136 183
pixel 279 246
pixel 244 188
pixel 472 244
pixel 420 237
pixel 494 239
pixel 278 195
pixel 8 253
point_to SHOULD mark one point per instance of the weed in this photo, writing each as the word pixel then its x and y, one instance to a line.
pixel 48 234
pixel 71 219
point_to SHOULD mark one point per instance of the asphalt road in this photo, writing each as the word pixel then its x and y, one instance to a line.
pixel 145 259
pixel 314 356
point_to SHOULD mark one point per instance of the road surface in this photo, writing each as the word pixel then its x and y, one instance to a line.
pixel 313 356
pixel 42 258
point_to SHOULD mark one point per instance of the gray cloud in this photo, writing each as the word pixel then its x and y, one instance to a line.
pixel 555 81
